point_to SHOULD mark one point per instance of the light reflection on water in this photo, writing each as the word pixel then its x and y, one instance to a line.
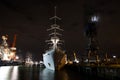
pixel 14 75
pixel 30 73
pixel 37 73
pixel 9 73
pixel 47 74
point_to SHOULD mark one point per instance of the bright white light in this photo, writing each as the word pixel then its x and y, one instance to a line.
pixel 55 41
pixel 14 73
pixel 41 62
pixel 5 72
pixel 5 57
pixel 4 37
pixel 76 61
pixel 17 57
pixel 94 18
pixel 36 63
pixel 13 48
pixel 11 54
pixel 114 56
pixel 0 53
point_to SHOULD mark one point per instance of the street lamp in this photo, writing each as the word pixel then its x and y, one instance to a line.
pixel 115 59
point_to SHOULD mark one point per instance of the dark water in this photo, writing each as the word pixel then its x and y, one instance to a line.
pixel 37 73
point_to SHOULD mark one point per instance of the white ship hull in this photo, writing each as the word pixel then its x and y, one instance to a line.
pixel 54 59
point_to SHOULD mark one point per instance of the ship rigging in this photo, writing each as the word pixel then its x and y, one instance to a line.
pixel 55 57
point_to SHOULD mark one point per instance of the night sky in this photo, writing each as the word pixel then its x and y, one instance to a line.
pixel 29 19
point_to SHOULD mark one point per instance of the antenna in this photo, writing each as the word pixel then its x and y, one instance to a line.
pixel 55 10
pixel 55 17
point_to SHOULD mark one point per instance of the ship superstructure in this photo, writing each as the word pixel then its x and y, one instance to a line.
pixel 54 58
pixel 7 53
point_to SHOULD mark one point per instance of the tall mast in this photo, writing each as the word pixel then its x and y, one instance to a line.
pixel 54 40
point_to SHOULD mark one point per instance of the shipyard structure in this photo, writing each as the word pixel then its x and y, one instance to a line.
pixel 7 53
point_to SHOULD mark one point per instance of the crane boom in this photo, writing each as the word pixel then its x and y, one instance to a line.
pixel 14 41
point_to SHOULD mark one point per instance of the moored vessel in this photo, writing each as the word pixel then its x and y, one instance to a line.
pixel 54 58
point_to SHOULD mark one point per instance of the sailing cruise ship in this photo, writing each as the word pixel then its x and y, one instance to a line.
pixel 54 58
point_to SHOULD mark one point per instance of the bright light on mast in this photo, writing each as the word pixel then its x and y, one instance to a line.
pixel 95 18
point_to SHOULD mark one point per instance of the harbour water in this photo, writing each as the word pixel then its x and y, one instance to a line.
pixel 38 73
